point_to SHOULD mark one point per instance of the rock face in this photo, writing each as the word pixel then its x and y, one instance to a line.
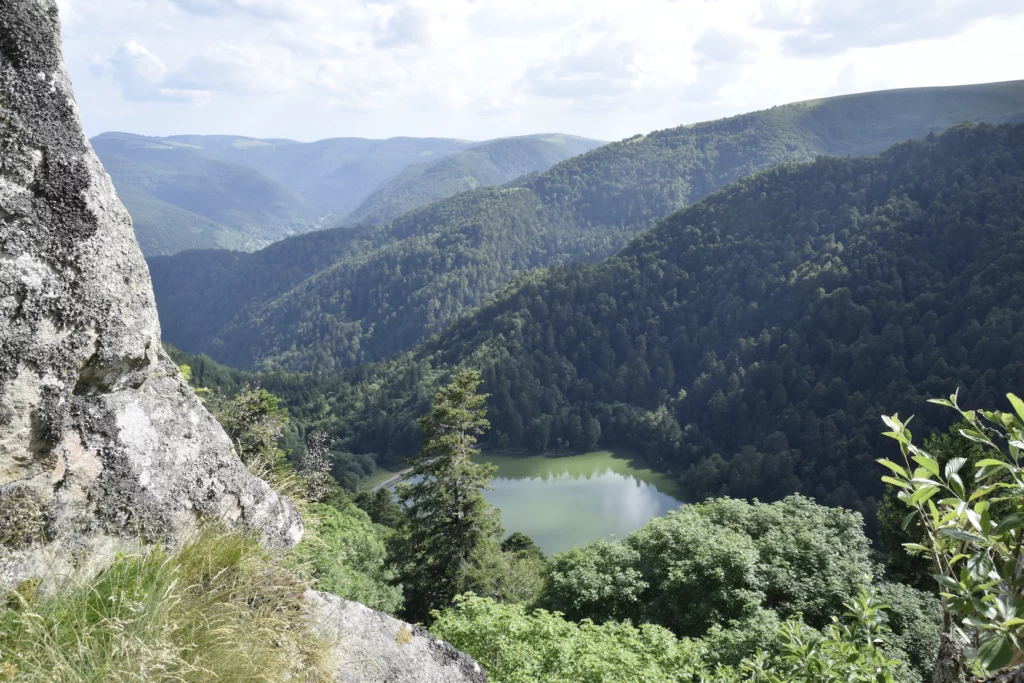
pixel 100 438
pixel 371 647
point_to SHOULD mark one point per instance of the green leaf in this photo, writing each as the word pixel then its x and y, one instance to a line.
pixel 928 463
pixel 995 653
pixel 993 416
pixel 1018 405
pixel 896 435
pixel 892 422
pixel 894 467
pixel 973 436
pixel 923 494
pixel 896 482
pixel 962 535
pixel 908 519
pixel 957 484
pixel 940 402
pixel 975 519
pixel 917 546
pixel 1014 521
pixel 947 582
pixel 990 462
pixel 954 465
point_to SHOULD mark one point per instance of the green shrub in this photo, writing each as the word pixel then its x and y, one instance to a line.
pixel 344 553
pixel 518 646
pixel 704 564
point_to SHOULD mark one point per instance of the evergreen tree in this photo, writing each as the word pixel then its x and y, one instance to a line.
pixel 449 524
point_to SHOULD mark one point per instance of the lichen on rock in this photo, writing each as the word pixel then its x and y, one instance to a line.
pixel 96 426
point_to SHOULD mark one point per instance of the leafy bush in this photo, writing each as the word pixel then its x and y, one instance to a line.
pixel 844 652
pixel 515 645
pixel 706 563
pixel 345 553
pixel 973 540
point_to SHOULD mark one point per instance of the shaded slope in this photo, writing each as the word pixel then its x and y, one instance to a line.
pixel 409 279
pixel 749 343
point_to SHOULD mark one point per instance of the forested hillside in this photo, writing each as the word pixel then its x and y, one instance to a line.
pixel 230 192
pixel 183 198
pixel 332 176
pixel 748 343
pixel 405 281
pixel 493 163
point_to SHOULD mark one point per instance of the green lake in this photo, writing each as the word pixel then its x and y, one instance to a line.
pixel 561 502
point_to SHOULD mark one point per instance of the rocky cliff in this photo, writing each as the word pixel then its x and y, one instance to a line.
pixel 100 439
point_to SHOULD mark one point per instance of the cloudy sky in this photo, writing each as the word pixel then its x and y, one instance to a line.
pixel 477 69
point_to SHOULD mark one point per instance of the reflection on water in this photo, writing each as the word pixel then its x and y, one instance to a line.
pixel 568 501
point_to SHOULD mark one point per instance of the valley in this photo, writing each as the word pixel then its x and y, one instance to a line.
pixel 188 192
pixel 371 295
pixel 733 400
pixel 732 341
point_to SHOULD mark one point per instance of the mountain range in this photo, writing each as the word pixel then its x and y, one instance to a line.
pixel 747 344
pixel 218 191
pixel 337 298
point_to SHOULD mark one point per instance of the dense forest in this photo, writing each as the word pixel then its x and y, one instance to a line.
pixel 397 284
pixel 748 343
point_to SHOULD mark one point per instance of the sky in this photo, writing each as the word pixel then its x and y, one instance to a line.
pixel 480 69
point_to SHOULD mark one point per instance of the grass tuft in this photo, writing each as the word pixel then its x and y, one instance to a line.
pixel 218 608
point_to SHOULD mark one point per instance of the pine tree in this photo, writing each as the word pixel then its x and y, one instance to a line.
pixel 449 524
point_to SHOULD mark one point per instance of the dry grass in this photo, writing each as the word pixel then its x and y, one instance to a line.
pixel 219 608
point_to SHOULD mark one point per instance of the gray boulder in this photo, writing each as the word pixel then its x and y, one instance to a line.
pixel 100 439
pixel 371 647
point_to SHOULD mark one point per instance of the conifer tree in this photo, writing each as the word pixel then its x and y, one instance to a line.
pixel 449 524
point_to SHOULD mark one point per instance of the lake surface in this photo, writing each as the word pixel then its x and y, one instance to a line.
pixel 561 502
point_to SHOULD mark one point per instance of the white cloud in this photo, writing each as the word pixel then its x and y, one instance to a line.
pixel 827 27
pixel 715 47
pixel 141 75
pixel 263 9
pixel 489 68
pixel 406 24
pixel 237 70
pixel 595 67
